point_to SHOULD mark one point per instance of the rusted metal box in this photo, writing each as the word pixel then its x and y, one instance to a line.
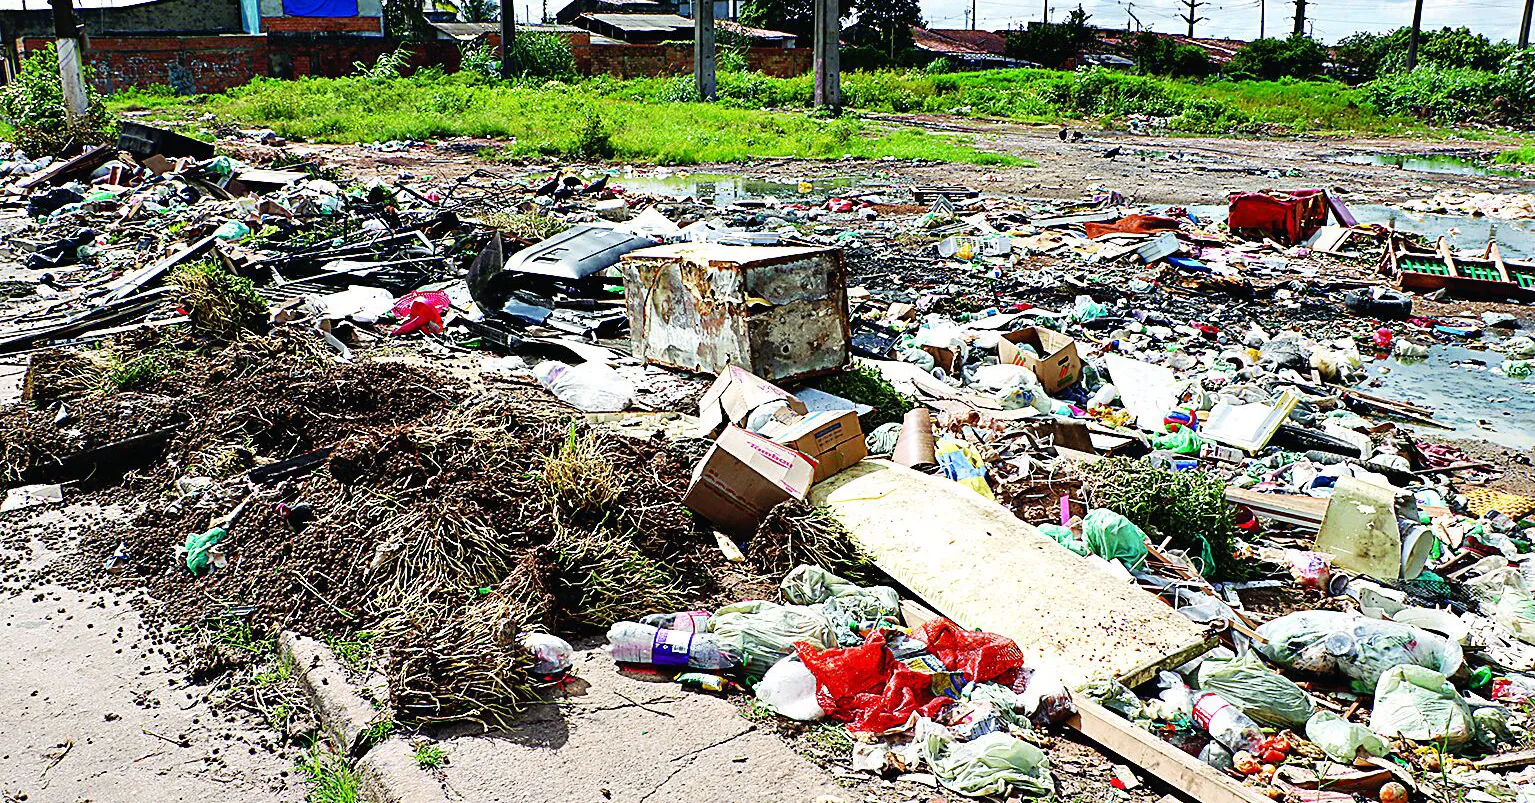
pixel 778 312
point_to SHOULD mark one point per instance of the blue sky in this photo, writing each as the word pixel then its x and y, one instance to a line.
pixel 1333 19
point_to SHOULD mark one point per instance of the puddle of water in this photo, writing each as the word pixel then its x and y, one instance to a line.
pixel 1429 163
pixel 719 188
pixel 1463 389
pixel 1516 238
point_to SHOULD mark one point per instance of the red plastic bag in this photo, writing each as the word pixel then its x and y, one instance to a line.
pixel 867 688
pixel 981 657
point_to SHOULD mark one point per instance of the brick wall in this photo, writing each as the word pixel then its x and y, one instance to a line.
pixel 205 64
pixel 362 25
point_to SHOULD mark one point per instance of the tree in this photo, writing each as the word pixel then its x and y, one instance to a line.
pixel 1367 56
pixel 790 16
pixel 1163 55
pixel 1052 43
pixel 405 19
pixel 480 10
pixel 1272 59
pixel 891 21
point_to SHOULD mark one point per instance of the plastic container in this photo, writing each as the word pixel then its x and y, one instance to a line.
pixel 686 621
pixel 1226 723
pixel 634 643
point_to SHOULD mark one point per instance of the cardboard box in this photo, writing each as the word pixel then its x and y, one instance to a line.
pixel 833 438
pixel 734 395
pixel 743 476
pixel 1058 366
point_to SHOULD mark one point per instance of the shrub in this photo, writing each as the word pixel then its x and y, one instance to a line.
pixel 593 140
pixel 1163 55
pixel 1451 96
pixel 1273 59
pixel 34 106
pixel 541 54
pixel 1052 43
pixel 386 67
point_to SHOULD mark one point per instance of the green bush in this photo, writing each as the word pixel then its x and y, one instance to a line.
pixel 541 54
pixel 1451 96
pixel 593 140
pixel 1163 55
pixel 1051 43
pixel 1273 59
pixel 34 106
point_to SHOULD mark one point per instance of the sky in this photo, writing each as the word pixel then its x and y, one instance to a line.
pixel 1331 20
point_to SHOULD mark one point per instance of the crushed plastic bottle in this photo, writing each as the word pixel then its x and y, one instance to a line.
pixel 634 643
pixel 1226 723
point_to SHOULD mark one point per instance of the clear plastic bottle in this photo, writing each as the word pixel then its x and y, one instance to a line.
pixel 634 643
pixel 1226 723
pixel 686 621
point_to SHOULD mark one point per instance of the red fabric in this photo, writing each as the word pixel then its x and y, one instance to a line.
pixel 1131 224
pixel 867 688
pixel 1287 217
pixel 982 657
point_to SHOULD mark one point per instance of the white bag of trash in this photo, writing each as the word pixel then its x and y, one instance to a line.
pixel 1342 740
pixel 590 386
pixel 789 689
pixel 1359 648
pixel 1421 705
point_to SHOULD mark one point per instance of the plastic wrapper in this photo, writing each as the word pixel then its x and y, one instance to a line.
pixel 1113 537
pixel 761 633
pixel 1342 740
pixel 1358 648
pixel 996 764
pixel 789 689
pixel 851 609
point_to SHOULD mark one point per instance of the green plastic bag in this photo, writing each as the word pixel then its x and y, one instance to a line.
pixel 1066 538
pixel 1263 694
pixel 1113 537
pixel 761 633
pixel 1182 441
pixel 849 608
pixel 198 548
pixel 997 763
pixel 1421 705
pixel 1342 740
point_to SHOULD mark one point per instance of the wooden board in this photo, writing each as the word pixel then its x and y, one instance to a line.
pixel 973 561
pixel 1192 778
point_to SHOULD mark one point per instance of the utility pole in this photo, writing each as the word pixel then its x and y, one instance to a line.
pixel 975 19
pixel 1412 40
pixel 508 32
pixel 71 59
pixel 828 55
pixel 703 49
pixel 1190 18
pixel 1300 17
pixel 1263 8
pixel 1524 24
pixel 1047 12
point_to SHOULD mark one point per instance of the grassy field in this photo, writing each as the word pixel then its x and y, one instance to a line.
pixel 657 119
pixel 583 120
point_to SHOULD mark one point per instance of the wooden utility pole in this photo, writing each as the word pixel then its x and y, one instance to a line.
pixel 1263 9
pixel 1189 17
pixel 71 59
pixel 1524 24
pixel 1047 11
pixel 508 33
pixel 828 55
pixel 1412 39
pixel 703 49
pixel 1300 17
pixel 974 19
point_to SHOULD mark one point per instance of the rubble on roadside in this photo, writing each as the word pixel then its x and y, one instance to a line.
pixel 472 415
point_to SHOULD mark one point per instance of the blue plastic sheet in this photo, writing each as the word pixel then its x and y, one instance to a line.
pixel 319 8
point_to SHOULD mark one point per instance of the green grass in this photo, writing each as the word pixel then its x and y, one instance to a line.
pixel 546 120
pixel 357 651
pixel 328 776
pixel 1522 155
pixel 430 757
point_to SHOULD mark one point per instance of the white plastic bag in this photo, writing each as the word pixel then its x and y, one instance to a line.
pixel 789 689
pixel 1421 705
pixel 590 386
pixel 1342 740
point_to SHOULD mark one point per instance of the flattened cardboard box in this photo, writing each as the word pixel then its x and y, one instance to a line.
pixel 832 437
pixel 743 476
pixel 1058 365
pixel 734 395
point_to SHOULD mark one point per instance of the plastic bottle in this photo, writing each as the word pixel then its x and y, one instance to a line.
pixel 1226 723
pixel 634 643
pixel 686 621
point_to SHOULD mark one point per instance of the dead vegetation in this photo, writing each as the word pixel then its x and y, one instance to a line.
pixel 795 533
pixel 218 302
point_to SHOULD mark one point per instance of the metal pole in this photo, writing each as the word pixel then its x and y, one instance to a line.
pixel 973 18
pixel 1263 8
pixel 703 49
pixel 1524 24
pixel 1300 17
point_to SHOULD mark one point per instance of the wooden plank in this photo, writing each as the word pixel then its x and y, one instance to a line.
pixel 1507 761
pixel 1188 775
pixel 1145 672
pixel 975 562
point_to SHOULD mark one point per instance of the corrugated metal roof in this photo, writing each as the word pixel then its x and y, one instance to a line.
pixel 644 22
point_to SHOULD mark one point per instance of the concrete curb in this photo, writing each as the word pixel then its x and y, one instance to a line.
pixel 386 772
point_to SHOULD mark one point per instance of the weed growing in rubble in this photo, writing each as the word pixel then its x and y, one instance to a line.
pixel 604 578
pixel 134 374
pixel 387 66
pixel 430 757
pixel 33 104
pixel 526 225
pixel 330 779
pixel 218 302
pixel 579 476
pixel 866 385
pixel 357 651
pixel 593 140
